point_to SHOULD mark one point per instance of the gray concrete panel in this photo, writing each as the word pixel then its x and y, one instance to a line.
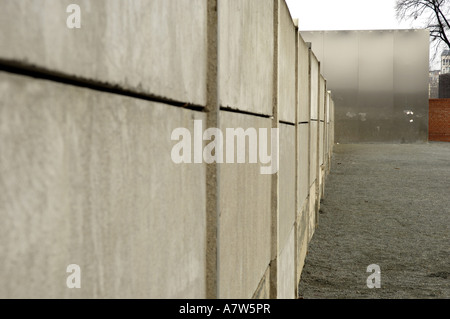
pixel 303 81
pixel 287 182
pixel 303 164
pixel 87 178
pixel 313 151
pixel 315 69
pixel 245 219
pixel 322 92
pixel 136 45
pixel 286 269
pixel 286 66
pixel 246 55
pixel 321 142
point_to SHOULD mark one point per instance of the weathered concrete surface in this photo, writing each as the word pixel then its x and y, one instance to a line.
pixel 386 205
pixel 303 81
pixel 377 79
pixel 322 94
pixel 286 65
pixel 333 123
pixel 302 209
pixel 287 181
pixel 133 44
pixel 328 106
pixel 312 211
pixel 246 55
pixel 302 239
pixel 321 177
pixel 322 181
pixel 303 164
pixel 327 122
pixel 329 146
pixel 87 178
pixel 263 290
pixel 313 151
pixel 321 142
pixel 286 269
pixel 315 74
pixel 245 221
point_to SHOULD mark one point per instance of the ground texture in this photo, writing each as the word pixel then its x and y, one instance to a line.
pixel 387 205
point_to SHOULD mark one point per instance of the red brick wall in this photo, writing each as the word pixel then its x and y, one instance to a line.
pixel 439 129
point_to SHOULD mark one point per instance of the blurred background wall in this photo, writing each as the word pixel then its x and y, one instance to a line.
pixel 379 81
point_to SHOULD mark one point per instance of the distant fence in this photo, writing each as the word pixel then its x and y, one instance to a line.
pixel 86 174
pixel 439 120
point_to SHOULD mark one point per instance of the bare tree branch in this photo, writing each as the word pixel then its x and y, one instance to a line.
pixel 438 23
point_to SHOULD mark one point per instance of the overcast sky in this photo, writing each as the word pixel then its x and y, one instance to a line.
pixel 345 14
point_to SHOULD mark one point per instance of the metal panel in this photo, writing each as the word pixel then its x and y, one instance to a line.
pixel 379 83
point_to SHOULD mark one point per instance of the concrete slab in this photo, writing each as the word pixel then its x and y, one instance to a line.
pixel 245 218
pixel 303 81
pixel 312 211
pixel 246 55
pixel 313 151
pixel 287 175
pixel 333 122
pixel 327 107
pixel 321 142
pixel 327 139
pixel 302 240
pixel 303 164
pixel 327 123
pixel 322 95
pixel 87 178
pixel 314 112
pixel 286 65
pixel 286 269
pixel 322 173
pixel 263 291
pixel 136 45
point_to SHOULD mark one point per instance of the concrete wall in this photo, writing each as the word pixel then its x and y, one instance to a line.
pixel 376 78
pixel 286 65
pixel 246 56
pixel 134 44
pixel 245 221
pixel 86 174
pixel 303 154
pixel 87 179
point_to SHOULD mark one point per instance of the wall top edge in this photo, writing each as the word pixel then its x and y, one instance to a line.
pixel 293 21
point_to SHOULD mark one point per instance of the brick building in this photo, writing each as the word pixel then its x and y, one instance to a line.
pixel 433 85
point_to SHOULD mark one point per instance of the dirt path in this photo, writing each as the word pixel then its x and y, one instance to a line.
pixel 387 205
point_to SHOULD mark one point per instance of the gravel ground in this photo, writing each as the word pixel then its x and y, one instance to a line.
pixel 387 205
